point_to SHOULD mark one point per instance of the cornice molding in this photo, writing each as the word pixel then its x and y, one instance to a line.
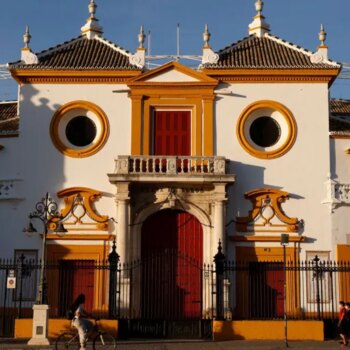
pixel 27 76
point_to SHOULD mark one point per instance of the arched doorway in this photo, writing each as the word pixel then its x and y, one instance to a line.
pixel 172 258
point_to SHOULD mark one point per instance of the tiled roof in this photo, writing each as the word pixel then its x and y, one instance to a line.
pixel 9 120
pixel 81 53
pixel 269 52
pixel 340 107
pixel 340 115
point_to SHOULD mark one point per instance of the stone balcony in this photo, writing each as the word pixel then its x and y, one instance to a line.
pixel 191 169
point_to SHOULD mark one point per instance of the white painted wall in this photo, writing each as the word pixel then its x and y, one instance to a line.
pixel 301 172
pixel 340 170
pixel 34 158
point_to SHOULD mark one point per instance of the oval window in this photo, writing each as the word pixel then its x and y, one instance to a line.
pixel 81 131
pixel 265 131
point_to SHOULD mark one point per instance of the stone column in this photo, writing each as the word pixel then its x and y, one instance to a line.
pixel 219 219
pixel 123 240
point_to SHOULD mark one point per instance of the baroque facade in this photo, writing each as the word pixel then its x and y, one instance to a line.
pixel 243 148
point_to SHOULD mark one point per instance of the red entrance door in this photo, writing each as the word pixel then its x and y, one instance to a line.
pixel 76 277
pixel 266 290
pixel 172 257
pixel 172 133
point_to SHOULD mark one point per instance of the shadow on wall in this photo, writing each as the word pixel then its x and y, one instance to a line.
pixel 245 173
pixel 250 177
pixel 40 164
pixel 333 159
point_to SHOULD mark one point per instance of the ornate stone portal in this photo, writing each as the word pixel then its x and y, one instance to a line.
pixel 147 184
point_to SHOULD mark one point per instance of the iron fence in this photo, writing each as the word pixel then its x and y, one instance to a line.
pixel 254 290
pixel 172 286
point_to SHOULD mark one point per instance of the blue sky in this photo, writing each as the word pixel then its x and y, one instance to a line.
pixel 54 21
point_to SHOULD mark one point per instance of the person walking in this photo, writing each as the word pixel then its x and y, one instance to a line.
pixel 342 324
pixel 80 320
pixel 347 316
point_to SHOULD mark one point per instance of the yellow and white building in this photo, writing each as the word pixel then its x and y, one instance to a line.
pixel 238 150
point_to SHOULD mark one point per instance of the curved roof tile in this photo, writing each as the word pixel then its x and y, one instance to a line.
pixel 81 53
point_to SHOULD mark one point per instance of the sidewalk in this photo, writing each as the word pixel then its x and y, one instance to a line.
pixel 190 345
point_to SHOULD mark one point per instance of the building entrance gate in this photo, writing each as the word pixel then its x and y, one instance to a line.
pixel 170 277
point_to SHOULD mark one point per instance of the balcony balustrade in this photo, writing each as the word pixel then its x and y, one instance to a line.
pixel 170 165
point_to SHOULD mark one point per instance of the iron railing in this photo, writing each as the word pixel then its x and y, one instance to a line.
pixel 173 286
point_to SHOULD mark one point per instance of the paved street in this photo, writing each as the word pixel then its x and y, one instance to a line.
pixel 194 345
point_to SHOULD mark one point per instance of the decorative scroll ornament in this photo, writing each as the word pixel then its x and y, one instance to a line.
pixel 79 213
pixel 267 214
pixel 209 56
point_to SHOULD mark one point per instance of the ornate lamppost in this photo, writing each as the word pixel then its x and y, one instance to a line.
pixel 46 212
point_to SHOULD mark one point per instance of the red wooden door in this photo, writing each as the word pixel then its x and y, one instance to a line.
pixel 172 255
pixel 172 133
pixel 275 282
pixel 76 277
pixel 266 290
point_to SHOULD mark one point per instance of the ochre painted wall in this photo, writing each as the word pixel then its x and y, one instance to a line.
pixel 267 330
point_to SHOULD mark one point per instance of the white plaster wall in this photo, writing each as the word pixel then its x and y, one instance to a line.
pixel 34 158
pixel 340 170
pixel 8 158
pixel 301 172
pixel 340 161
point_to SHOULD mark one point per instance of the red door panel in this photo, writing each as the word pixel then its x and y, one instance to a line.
pixel 266 290
pixel 172 255
pixel 274 281
pixel 172 133
pixel 76 277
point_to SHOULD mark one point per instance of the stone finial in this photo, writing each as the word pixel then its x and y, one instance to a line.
pixel 321 55
pixel 259 5
pixel 209 56
pixel 322 35
pixel 26 38
pixel 92 8
pixel 141 37
pixel 206 36
pixel 139 58
pixel 259 26
pixel 92 27
pixel 27 56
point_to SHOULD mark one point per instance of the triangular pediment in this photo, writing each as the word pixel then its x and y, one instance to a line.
pixel 173 72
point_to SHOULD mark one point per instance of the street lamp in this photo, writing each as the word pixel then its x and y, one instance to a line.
pixel 45 211
pixel 284 243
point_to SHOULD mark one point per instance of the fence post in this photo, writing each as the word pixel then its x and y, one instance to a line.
pixel 317 275
pixel 219 260
pixel 113 259
pixel 20 274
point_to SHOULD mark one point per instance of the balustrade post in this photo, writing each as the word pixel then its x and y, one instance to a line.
pixel 219 260
pixel 113 259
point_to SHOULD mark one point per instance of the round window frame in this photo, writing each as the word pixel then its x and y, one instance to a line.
pixel 67 148
pixel 251 112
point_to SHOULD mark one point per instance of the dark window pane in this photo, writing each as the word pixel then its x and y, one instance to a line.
pixel 265 131
pixel 81 131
